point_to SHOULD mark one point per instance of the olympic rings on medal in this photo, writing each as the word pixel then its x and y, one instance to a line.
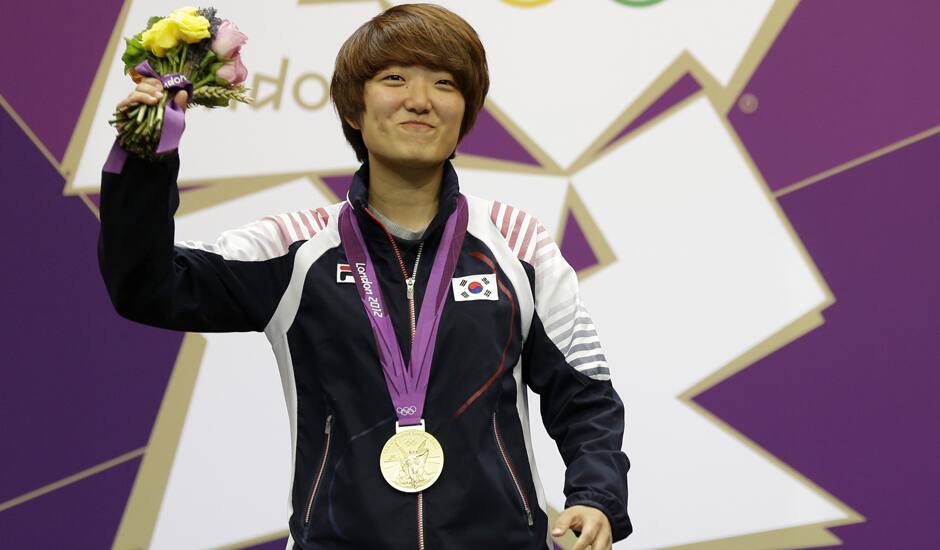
pixel 406 411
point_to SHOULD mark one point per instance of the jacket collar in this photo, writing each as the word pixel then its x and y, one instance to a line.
pixel 358 197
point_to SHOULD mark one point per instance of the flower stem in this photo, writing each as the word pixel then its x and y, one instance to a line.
pixel 204 81
pixel 210 56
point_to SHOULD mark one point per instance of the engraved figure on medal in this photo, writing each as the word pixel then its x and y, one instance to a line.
pixel 412 461
pixel 413 472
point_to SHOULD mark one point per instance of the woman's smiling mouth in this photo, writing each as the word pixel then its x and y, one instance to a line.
pixel 416 124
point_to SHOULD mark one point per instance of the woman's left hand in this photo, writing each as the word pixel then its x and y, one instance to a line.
pixel 591 522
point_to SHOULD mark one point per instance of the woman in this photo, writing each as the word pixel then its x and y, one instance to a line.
pixel 407 321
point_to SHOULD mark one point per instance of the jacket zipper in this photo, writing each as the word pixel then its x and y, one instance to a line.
pixel 409 280
pixel 410 295
pixel 410 292
pixel 421 520
pixel 512 473
pixel 327 430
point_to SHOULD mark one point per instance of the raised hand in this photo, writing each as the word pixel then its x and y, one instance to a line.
pixel 149 91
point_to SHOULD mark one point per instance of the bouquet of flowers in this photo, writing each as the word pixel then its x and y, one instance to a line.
pixel 190 49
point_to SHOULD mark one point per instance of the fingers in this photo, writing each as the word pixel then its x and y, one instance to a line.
pixel 181 99
pixel 588 536
pixel 595 530
pixel 564 522
pixel 148 91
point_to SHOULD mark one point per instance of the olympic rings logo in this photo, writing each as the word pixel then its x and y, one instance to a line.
pixel 406 411
pixel 538 3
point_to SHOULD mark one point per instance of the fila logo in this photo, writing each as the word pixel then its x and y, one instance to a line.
pixel 475 287
pixel 344 274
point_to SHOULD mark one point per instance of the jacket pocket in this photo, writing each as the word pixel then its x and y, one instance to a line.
pixel 517 484
pixel 318 477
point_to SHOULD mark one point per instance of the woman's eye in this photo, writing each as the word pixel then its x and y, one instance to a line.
pixel 447 82
pixel 396 77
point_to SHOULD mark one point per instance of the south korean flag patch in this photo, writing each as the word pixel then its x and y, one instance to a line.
pixel 475 287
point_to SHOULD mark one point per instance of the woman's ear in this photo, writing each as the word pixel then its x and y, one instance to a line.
pixel 353 123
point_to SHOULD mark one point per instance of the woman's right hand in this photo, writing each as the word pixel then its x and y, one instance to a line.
pixel 149 91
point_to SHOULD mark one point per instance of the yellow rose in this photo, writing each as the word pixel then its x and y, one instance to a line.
pixel 160 37
pixel 190 26
pixel 181 12
pixel 183 24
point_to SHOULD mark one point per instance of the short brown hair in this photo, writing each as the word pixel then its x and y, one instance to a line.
pixel 409 34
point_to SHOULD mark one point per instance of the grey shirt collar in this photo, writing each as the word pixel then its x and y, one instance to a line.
pixel 402 233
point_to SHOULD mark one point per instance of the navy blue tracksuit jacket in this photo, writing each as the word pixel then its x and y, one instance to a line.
pixel 285 275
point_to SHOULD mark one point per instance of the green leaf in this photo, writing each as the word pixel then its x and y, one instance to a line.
pixel 133 54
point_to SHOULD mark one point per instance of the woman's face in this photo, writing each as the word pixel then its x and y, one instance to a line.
pixel 412 116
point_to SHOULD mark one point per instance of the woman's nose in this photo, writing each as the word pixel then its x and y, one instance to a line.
pixel 417 99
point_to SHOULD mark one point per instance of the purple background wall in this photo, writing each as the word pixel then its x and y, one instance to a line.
pixel 852 405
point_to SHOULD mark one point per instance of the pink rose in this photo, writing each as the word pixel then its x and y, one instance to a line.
pixel 228 40
pixel 233 72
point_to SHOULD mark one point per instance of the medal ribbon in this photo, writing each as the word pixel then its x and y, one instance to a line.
pixel 406 386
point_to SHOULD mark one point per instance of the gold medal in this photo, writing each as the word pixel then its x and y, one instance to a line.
pixel 412 459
